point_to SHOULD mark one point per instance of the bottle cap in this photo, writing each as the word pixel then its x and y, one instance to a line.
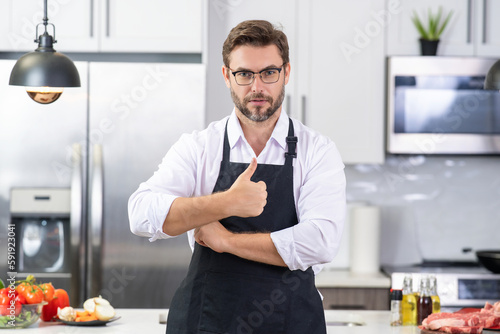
pixel 396 295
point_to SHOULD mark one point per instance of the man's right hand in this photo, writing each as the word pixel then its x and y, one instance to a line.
pixel 247 198
pixel 244 199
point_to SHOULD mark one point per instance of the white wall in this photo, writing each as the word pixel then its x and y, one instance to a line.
pixel 433 207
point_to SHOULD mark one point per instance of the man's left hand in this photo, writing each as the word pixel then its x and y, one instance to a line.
pixel 212 235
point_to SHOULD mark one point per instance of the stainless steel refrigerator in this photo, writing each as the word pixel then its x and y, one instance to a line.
pixel 68 168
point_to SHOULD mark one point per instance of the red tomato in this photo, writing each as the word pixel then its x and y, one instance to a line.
pixel 22 288
pixel 33 295
pixel 49 311
pixel 48 291
pixel 20 299
pixel 6 306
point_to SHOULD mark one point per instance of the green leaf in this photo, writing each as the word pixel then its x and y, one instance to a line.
pixel 419 26
pixel 434 27
pixel 2 285
pixel 445 23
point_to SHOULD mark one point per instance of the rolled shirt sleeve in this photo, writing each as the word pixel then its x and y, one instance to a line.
pixel 149 205
pixel 321 201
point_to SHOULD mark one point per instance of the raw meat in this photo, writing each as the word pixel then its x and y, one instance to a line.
pixel 464 322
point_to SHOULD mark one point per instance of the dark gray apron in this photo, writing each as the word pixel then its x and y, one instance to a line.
pixel 223 293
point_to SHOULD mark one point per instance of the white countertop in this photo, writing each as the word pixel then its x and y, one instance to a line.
pixel 135 321
pixel 333 278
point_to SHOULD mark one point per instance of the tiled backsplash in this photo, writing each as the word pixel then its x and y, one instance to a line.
pixel 432 207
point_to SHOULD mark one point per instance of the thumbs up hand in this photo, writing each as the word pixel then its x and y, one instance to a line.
pixel 247 198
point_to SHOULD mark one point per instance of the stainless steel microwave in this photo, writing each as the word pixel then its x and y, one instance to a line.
pixel 437 105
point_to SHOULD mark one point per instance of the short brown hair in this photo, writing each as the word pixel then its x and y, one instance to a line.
pixel 255 33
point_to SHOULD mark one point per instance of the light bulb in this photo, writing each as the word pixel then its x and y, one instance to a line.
pixel 44 95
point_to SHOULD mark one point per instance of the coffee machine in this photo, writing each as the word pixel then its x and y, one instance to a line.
pixel 41 218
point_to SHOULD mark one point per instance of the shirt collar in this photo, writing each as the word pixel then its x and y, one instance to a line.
pixel 235 132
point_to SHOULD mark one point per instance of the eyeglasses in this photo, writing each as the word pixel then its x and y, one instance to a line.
pixel 268 76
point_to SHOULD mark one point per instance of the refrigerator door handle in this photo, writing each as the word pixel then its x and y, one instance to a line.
pixel 94 276
pixel 77 229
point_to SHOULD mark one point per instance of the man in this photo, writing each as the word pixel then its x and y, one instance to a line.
pixel 261 196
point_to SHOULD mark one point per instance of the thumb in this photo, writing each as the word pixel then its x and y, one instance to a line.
pixel 247 174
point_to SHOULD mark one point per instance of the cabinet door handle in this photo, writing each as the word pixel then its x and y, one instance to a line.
pixel 108 5
pixel 303 106
pixel 288 101
pixel 77 239
pixel 96 219
pixel 469 21
pixel 91 18
pixel 485 11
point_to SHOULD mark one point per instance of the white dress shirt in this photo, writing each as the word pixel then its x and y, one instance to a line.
pixel 191 167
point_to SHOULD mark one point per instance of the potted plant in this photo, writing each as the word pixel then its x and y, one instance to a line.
pixel 429 36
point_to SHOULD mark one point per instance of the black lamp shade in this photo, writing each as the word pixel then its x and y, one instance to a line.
pixel 44 69
pixel 492 80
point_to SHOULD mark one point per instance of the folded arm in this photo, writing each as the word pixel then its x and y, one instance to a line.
pixel 245 198
pixel 251 246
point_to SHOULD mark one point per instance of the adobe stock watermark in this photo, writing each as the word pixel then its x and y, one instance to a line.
pixel 223 7
pixel 372 29
pixel 452 121
pixel 116 284
pixel 119 109
pixel 405 166
pixel 28 28
pixel 263 309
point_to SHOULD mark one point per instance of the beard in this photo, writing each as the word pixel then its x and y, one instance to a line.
pixel 260 114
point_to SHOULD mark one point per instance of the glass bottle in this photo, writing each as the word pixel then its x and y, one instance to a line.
pixel 396 316
pixel 409 303
pixel 424 303
pixel 436 302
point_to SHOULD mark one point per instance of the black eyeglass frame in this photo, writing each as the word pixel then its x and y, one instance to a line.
pixel 259 73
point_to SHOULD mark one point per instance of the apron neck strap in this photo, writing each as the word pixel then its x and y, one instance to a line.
pixel 291 142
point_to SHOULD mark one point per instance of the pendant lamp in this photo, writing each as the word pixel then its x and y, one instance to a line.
pixel 44 72
pixel 492 80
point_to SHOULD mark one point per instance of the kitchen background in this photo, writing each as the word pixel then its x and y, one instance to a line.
pixel 432 207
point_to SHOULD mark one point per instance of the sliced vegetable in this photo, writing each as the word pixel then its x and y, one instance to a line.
pixel 104 312
pixel 96 308
pixel 89 305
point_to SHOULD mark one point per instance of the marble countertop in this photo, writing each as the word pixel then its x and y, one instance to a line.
pixel 135 321
pixel 336 278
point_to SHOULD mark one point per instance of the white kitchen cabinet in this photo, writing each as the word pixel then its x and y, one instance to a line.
pixel 74 22
pixel 472 30
pixel 487 27
pixel 106 25
pixel 341 97
pixel 344 75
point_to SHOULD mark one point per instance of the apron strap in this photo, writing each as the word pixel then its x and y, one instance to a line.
pixel 226 149
pixel 291 141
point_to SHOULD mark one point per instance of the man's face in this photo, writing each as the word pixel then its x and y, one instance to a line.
pixel 258 101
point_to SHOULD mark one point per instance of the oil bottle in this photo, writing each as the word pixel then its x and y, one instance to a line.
pixel 424 303
pixel 396 297
pixel 409 303
pixel 436 302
